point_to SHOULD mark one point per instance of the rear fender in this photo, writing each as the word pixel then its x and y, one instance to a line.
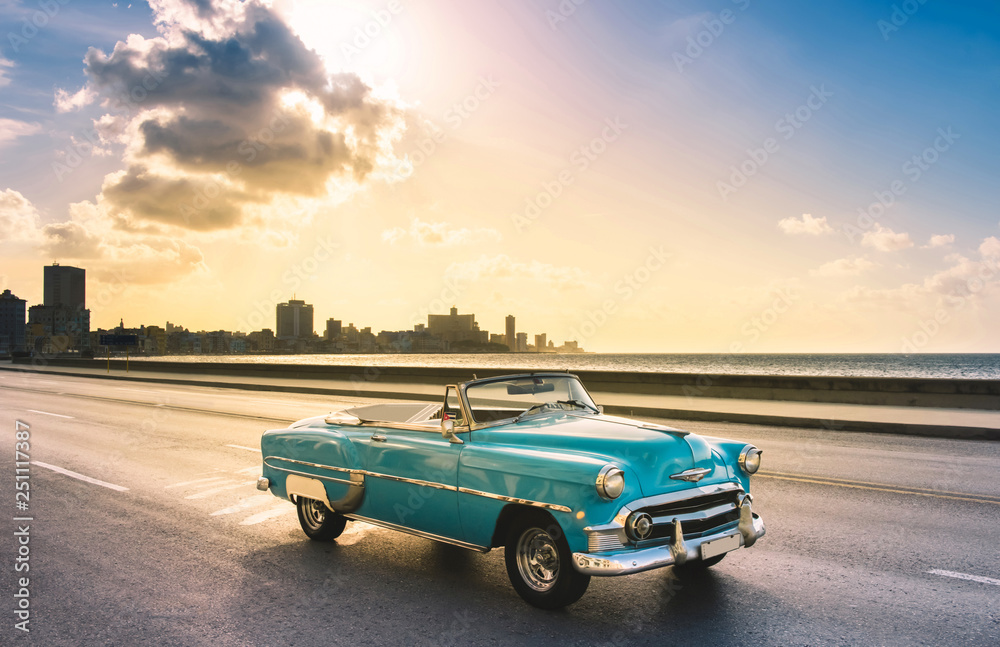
pixel 321 464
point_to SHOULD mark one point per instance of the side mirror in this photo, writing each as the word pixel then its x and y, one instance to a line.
pixel 448 431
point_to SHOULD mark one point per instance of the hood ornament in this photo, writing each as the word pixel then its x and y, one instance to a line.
pixel 692 475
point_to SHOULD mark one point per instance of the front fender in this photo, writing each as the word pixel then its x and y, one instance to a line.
pixel 563 484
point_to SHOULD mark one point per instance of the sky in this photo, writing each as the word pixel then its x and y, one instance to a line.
pixel 730 176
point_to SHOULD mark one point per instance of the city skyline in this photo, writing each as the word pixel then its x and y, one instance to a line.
pixel 61 324
pixel 649 177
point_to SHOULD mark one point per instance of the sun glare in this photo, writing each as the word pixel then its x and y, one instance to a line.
pixel 350 36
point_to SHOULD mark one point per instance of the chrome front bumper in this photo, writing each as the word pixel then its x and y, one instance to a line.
pixel 625 562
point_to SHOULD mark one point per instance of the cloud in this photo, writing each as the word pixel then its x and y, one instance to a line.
pixel 990 249
pixel 503 268
pixel 11 129
pixel 952 287
pixel 843 267
pixel 19 219
pixel 66 102
pixel 808 225
pixel 89 236
pixel 885 239
pixel 5 65
pixel 435 234
pixel 227 107
pixel 940 240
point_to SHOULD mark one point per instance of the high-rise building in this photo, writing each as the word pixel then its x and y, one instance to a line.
pixel 522 342
pixel 12 325
pixel 63 316
pixel 333 328
pixel 540 343
pixel 454 327
pixel 294 320
pixel 64 286
pixel 511 333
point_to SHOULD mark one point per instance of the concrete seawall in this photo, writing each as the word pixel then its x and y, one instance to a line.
pixel 982 395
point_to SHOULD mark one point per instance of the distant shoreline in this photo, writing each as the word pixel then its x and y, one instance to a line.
pixel 979 366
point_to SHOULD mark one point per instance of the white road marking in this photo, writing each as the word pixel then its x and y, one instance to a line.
pixel 207 493
pixel 249 470
pixel 214 478
pixel 260 517
pixel 246 504
pixel 249 449
pixel 966 576
pixel 46 413
pixel 81 477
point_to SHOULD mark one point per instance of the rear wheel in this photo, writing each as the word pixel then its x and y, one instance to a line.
pixel 319 522
pixel 540 564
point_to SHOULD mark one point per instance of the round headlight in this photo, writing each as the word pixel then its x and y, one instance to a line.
pixel 750 459
pixel 610 482
pixel 639 526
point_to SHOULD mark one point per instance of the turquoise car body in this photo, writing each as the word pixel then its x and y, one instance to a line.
pixel 415 468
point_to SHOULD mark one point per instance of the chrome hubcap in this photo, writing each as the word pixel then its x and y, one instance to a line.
pixel 315 513
pixel 538 559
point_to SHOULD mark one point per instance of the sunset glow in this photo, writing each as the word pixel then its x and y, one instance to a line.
pixel 730 176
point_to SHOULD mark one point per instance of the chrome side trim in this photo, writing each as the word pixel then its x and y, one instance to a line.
pixel 308 464
pixel 318 476
pixel 419 533
pixel 419 482
pixel 510 499
pixel 422 483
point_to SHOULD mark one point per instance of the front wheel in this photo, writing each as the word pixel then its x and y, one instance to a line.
pixel 540 564
pixel 318 521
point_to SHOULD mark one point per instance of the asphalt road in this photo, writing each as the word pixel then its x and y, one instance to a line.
pixel 883 540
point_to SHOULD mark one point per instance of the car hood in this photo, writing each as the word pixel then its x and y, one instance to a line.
pixel 652 452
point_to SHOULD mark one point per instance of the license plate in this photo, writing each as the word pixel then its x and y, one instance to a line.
pixel 718 546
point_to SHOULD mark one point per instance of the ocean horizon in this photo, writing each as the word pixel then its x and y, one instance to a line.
pixel 983 366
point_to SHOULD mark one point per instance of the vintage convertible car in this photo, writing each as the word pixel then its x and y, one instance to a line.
pixel 527 462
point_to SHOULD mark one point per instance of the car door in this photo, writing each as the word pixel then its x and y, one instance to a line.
pixel 412 478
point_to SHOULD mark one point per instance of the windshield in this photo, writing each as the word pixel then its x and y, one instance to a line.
pixel 514 397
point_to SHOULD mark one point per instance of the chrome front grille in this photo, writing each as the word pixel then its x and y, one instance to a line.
pixel 699 515
pixel 603 542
